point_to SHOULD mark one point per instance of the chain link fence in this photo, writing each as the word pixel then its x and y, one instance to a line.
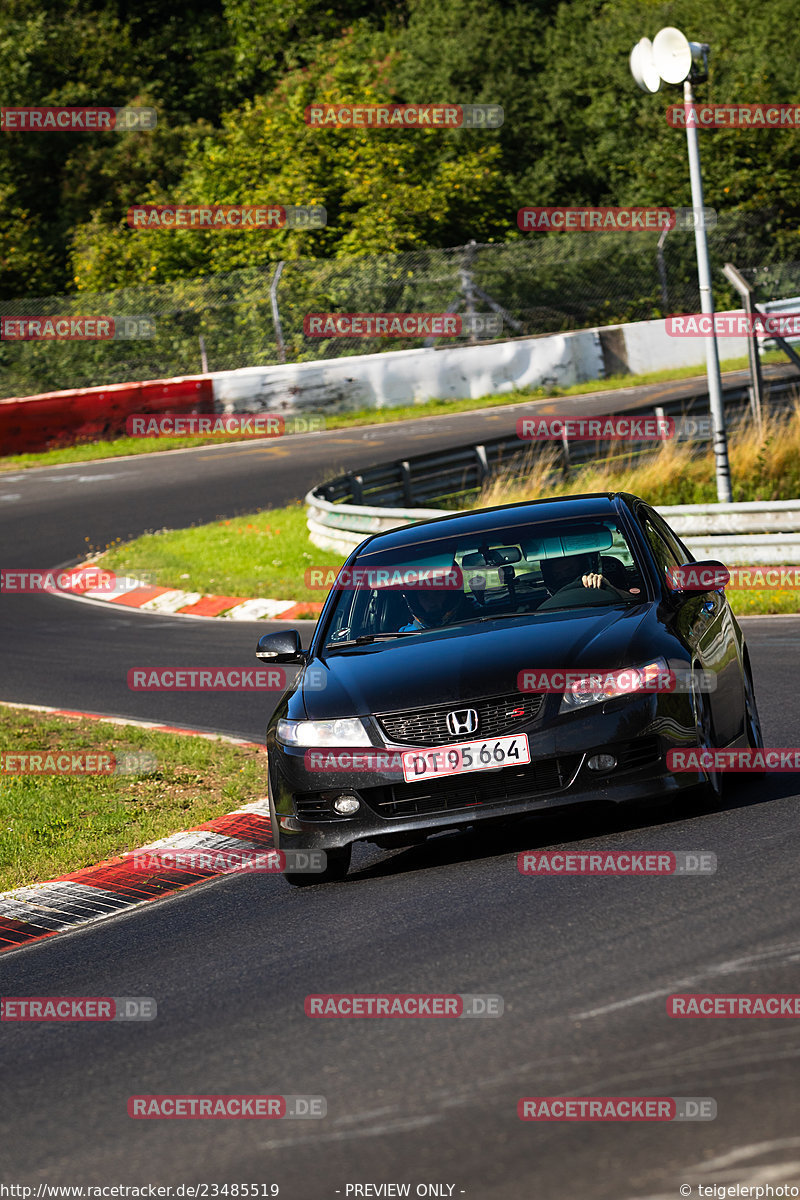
pixel 538 284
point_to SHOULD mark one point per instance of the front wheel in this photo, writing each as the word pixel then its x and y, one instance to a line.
pixel 752 721
pixel 337 861
pixel 715 783
pixel 337 864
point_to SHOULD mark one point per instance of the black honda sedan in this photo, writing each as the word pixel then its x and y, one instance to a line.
pixel 486 665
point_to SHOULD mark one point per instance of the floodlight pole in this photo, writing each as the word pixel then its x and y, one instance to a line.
pixel 719 436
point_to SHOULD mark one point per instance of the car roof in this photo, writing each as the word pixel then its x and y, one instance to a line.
pixel 588 506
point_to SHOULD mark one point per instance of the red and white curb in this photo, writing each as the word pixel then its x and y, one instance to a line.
pixel 130 592
pixel 42 910
pixel 155 725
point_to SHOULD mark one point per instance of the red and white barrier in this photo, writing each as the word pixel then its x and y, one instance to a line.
pixel 31 423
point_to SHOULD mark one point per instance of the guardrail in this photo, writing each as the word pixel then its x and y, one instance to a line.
pixel 726 532
pixel 748 532
pixel 347 509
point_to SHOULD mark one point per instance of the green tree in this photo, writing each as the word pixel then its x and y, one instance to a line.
pixel 384 190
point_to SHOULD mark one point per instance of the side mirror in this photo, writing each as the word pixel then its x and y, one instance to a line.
pixel 706 576
pixel 281 647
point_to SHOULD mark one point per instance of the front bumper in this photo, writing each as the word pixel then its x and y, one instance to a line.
pixel 637 730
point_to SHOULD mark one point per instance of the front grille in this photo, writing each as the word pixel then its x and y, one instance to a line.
pixel 643 752
pixel 428 726
pixel 316 806
pixel 480 789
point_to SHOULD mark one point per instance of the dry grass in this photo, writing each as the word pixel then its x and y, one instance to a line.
pixel 764 466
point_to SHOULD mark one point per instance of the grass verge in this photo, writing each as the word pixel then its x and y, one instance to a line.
pixel 123 446
pixel 266 553
pixel 53 825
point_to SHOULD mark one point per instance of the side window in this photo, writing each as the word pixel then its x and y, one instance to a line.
pixel 348 616
pixel 620 549
pixel 671 539
pixel 666 558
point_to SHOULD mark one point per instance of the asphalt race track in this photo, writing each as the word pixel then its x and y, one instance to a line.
pixel 584 964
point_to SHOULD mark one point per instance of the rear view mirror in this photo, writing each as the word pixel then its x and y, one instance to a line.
pixel 492 556
pixel 283 646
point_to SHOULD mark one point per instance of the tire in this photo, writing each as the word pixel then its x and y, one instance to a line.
pixel 714 789
pixel 752 722
pixel 337 861
pixel 273 816
pixel 337 866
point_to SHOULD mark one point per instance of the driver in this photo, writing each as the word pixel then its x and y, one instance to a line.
pixel 434 607
pixel 575 570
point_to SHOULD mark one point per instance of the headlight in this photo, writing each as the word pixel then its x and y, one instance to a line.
pixel 595 687
pixel 346 731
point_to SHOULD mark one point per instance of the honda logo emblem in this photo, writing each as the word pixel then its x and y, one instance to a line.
pixel 462 720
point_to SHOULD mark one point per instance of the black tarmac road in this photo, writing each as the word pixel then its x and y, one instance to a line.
pixel 584 964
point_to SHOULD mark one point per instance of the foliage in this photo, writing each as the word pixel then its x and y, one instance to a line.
pixel 231 84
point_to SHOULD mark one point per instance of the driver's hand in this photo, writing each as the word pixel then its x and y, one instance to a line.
pixel 592 581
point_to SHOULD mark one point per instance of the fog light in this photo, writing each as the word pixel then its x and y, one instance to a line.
pixel 347 804
pixel 602 762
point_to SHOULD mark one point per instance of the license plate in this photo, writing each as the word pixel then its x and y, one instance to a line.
pixel 484 755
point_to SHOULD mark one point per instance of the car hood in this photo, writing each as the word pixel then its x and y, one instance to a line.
pixel 469 661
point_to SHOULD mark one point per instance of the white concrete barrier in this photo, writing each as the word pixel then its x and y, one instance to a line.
pixel 648 347
pixel 461 372
pixel 411 376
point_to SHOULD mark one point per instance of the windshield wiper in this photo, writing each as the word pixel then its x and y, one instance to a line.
pixel 500 616
pixel 366 638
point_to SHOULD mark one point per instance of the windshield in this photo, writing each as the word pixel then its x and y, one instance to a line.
pixel 492 575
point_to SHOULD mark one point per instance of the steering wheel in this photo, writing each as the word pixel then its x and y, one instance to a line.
pixel 577 596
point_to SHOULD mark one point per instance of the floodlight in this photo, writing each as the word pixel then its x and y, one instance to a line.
pixel 643 67
pixel 674 55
